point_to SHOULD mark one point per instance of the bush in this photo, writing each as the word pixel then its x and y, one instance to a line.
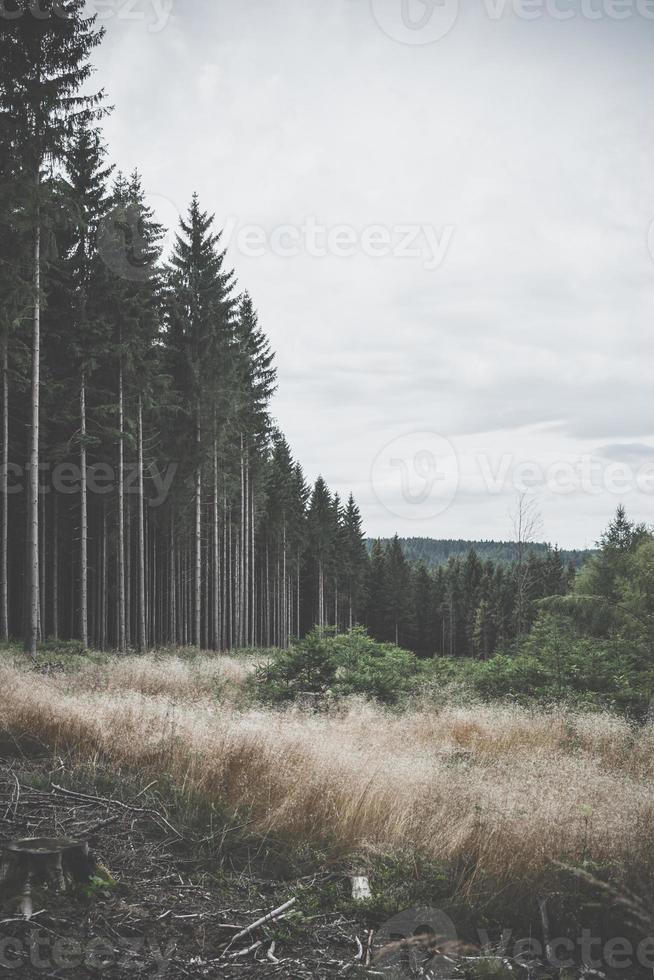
pixel 555 663
pixel 339 665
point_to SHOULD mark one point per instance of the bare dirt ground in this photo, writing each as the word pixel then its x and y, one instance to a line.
pixel 167 909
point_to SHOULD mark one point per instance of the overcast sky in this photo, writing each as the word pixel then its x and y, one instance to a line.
pixel 509 150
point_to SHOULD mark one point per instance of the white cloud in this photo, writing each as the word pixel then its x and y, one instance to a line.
pixel 532 139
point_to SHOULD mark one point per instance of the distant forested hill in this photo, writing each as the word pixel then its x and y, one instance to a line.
pixel 436 552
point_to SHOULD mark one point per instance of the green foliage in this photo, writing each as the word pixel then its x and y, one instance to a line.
pixel 99 886
pixel 555 663
pixel 437 552
pixel 339 665
pixel 593 646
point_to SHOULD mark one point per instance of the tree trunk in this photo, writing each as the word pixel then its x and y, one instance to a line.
pixel 42 602
pixel 267 619
pixel 253 570
pixel 285 625
pixel 4 490
pixel 103 581
pixel 128 573
pixel 31 635
pixel 230 580
pixel 246 552
pixel 197 608
pixel 216 552
pixel 142 642
pixel 122 630
pixel 55 568
pixel 84 524
pixel 297 596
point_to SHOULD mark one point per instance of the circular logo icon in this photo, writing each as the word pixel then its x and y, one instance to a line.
pixel 418 942
pixel 124 241
pixel 416 476
pixel 415 21
pixel 650 240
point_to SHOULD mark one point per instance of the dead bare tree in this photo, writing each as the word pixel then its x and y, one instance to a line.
pixel 527 525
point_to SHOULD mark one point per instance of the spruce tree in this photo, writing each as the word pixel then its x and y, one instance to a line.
pixel 43 67
pixel 353 560
pixel 199 314
pixel 86 338
pixel 398 605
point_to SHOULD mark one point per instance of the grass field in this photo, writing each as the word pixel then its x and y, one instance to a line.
pixel 498 792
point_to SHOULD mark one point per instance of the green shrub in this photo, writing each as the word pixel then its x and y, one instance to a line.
pixel 555 663
pixel 339 665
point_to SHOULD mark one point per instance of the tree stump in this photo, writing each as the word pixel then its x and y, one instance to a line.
pixel 54 861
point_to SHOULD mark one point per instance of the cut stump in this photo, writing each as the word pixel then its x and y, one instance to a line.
pixel 54 861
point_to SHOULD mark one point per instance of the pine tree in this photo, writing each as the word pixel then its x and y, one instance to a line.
pixel 353 560
pixel 398 605
pixel 423 587
pixel 85 331
pixel 43 67
pixel 200 306
pixel 132 246
pixel 321 540
pixel 15 295
pixel 376 591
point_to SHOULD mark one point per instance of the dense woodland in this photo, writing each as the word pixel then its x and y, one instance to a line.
pixel 466 608
pixel 147 494
pixel 585 637
pixel 434 552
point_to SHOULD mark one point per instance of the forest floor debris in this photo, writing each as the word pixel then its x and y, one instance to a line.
pixel 163 909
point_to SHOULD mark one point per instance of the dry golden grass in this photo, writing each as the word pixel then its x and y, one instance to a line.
pixel 495 789
pixel 168 676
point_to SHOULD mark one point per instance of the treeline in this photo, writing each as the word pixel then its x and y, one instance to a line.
pixel 594 645
pixel 434 552
pixel 466 608
pixel 147 496
pixel 583 638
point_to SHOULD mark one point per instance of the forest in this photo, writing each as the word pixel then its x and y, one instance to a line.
pixel 147 495
pixel 434 552
pixel 268 740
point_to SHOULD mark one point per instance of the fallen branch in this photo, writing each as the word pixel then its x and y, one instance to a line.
pixel 545 921
pixel 244 952
pixel 154 814
pixel 270 917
